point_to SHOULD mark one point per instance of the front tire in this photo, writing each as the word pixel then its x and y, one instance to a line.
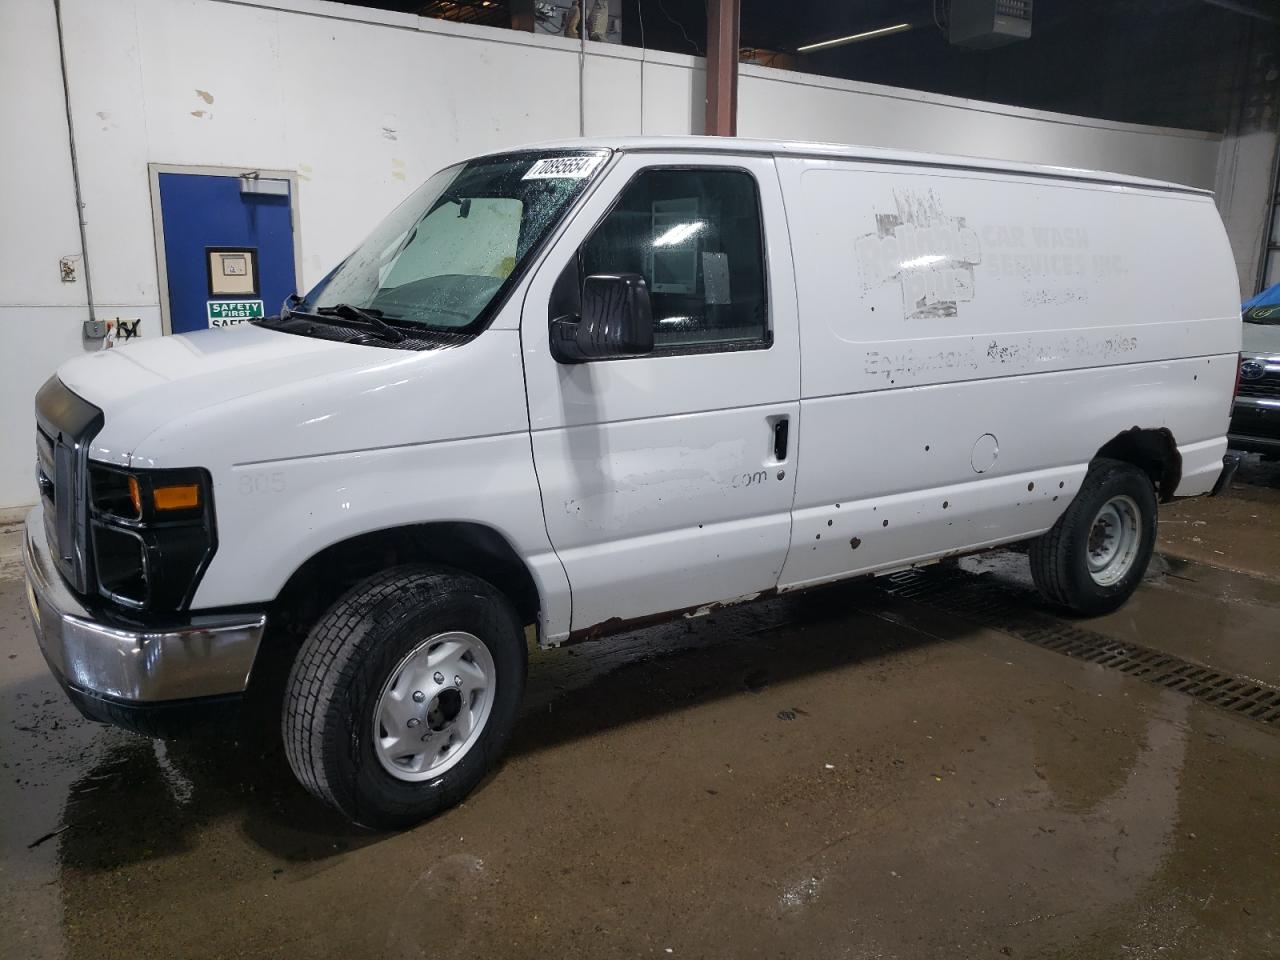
pixel 1094 557
pixel 404 695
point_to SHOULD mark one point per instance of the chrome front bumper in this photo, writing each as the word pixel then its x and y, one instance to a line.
pixel 205 656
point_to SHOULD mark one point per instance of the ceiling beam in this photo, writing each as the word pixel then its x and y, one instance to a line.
pixel 723 19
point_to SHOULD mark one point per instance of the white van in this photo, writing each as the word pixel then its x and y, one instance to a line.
pixel 585 386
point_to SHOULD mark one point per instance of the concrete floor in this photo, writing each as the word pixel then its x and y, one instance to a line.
pixel 847 773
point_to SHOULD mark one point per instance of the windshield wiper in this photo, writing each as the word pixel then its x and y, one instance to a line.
pixel 373 318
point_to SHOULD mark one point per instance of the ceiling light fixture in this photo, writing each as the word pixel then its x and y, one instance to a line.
pixel 679 233
pixel 854 38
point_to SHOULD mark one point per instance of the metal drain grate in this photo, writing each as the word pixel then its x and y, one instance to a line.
pixel 974 597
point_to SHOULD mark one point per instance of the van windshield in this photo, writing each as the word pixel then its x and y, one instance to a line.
pixel 448 252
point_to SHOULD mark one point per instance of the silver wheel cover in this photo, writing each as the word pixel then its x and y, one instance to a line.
pixel 434 706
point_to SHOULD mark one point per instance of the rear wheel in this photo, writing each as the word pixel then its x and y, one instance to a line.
pixel 404 695
pixel 1093 558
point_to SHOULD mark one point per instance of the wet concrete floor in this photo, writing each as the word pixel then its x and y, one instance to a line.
pixel 846 773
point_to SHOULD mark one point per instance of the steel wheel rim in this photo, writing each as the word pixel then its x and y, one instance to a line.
pixel 1114 538
pixel 434 706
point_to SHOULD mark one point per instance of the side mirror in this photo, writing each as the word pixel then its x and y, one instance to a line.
pixel 616 321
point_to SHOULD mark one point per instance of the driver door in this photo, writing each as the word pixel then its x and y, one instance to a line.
pixel 667 479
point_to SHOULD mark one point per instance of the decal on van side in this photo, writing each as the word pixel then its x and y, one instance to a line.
pixel 1036 349
pixel 930 255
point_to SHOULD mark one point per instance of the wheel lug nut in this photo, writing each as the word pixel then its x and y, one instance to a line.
pixel 439 677
pixel 457 681
pixel 414 721
pixel 418 696
pixel 426 737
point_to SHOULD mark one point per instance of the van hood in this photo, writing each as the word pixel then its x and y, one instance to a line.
pixel 213 365
pixel 242 377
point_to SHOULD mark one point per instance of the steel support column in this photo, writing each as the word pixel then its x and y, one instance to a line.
pixel 722 67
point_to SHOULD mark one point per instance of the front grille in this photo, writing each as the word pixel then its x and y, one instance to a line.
pixel 65 424
pixel 1268 386
pixel 1259 375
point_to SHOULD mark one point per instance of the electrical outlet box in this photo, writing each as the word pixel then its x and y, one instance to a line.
pixel 95 329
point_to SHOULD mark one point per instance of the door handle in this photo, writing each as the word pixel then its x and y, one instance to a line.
pixel 781 430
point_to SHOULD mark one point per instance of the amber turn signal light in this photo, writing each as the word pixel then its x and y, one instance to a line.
pixel 135 496
pixel 183 496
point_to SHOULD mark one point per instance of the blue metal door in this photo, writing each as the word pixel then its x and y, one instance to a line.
pixel 228 248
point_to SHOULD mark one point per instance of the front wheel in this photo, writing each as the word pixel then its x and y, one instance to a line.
pixel 404 695
pixel 1093 558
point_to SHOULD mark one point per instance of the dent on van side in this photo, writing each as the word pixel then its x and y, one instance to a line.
pixel 584 387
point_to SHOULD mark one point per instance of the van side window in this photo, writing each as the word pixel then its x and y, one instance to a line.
pixel 694 235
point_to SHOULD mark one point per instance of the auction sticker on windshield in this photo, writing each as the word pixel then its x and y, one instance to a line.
pixel 563 168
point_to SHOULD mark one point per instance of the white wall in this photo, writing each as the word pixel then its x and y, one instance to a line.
pixel 364 105
pixel 363 111
pixel 40 316
pixel 1244 178
pixel 777 104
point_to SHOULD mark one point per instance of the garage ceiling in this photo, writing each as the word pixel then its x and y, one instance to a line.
pixel 1167 62
pixel 1178 63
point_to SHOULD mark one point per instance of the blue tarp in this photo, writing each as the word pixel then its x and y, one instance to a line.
pixel 1268 297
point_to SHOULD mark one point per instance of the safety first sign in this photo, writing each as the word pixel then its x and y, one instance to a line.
pixel 228 313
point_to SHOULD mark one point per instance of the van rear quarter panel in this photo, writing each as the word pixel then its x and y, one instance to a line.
pixel 969 340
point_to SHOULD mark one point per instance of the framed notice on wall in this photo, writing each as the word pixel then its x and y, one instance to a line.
pixel 233 271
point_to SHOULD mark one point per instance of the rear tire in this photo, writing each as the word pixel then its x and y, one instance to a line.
pixel 1094 557
pixel 385 757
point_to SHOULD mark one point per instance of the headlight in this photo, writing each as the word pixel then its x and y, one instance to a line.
pixel 152 534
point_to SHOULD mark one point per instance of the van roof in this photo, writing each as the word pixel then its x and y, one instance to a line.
pixel 795 148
